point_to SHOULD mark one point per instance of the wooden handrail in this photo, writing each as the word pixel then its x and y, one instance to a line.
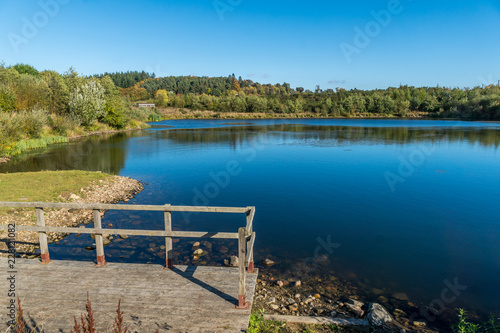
pixel 245 236
pixel 159 208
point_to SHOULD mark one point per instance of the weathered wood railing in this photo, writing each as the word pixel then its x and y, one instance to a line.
pixel 245 236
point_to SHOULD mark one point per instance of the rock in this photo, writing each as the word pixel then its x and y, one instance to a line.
pixel 355 303
pixel 123 236
pixel 268 262
pixel 419 323
pixel 355 309
pixel 274 306
pixel 198 252
pixel 74 197
pixel 298 284
pixel 318 296
pixel 162 247
pixel 378 315
pixel 196 258
pixel 206 244
pixel 400 296
pixel 90 248
pixel 291 301
pixel 333 313
pixel 399 313
pixel 233 261
pixel 222 249
pixel 297 295
pixel 383 299
pixel 271 300
pixel 197 244
pixel 105 241
pixel 279 283
pixel 293 307
pixel 110 225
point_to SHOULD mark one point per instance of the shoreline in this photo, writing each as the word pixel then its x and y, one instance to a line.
pixel 114 189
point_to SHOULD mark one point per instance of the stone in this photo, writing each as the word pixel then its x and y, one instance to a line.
pixel 298 284
pixel 378 315
pixel 222 249
pixel 354 302
pixel 293 307
pixel 274 306
pixel 105 241
pixel 197 244
pixel 123 236
pixel 279 283
pixel 196 258
pixel 198 252
pixel 74 197
pixel 291 301
pixel 318 296
pixel 297 295
pixel 383 299
pixel 399 313
pixel 355 309
pixel 233 261
pixel 400 296
pixel 271 300
pixel 268 262
pixel 419 323
pixel 333 313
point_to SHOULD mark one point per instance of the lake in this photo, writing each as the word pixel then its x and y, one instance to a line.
pixel 385 206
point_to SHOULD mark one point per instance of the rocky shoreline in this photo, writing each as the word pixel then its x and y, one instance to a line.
pixel 110 191
pixel 289 297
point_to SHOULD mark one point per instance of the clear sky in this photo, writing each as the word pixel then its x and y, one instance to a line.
pixel 349 44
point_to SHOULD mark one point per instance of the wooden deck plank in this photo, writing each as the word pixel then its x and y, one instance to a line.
pixel 185 299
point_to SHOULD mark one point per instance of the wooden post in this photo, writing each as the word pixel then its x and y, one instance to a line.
pixel 98 238
pixel 42 236
pixel 242 295
pixel 168 240
pixel 250 262
pixel 250 216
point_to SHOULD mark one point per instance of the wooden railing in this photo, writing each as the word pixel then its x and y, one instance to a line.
pixel 245 236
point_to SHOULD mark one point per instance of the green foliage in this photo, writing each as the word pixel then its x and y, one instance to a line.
pixel 141 113
pixel 155 117
pixel 58 92
pixel 127 79
pixel 259 325
pixel 87 103
pixel 7 98
pixel 62 125
pixel 465 326
pixel 30 144
pixel 25 69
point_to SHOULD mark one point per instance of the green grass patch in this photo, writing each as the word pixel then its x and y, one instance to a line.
pixel 45 186
pixel 29 144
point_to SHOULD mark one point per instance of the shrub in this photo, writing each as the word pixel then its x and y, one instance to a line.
pixel 62 125
pixel 7 99
pixel 87 103
pixel 141 113
pixel 33 122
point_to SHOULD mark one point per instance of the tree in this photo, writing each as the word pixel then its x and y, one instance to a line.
pixel 7 99
pixel 58 92
pixel 25 69
pixel 161 97
pixel 87 103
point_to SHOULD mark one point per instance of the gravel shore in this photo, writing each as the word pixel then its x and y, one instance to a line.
pixel 113 190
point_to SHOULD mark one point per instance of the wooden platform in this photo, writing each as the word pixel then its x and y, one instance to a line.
pixel 185 299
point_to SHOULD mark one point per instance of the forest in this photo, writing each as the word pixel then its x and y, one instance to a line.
pixel 41 107
pixel 231 94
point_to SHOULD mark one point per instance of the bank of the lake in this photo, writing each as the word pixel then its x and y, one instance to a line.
pixel 58 186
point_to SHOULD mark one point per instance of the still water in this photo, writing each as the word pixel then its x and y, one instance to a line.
pixel 388 206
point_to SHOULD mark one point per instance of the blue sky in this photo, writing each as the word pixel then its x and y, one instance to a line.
pixel 422 43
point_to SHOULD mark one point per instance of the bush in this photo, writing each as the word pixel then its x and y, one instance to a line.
pixel 7 99
pixel 33 122
pixel 154 117
pixel 87 103
pixel 62 125
pixel 141 113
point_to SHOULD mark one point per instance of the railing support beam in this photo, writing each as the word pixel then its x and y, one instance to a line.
pixel 99 246
pixel 42 236
pixel 168 240
pixel 242 295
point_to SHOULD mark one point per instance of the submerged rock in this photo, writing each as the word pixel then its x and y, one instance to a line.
pixel 268 262
pixel 233 261
pixel 378 315
pixel 198 252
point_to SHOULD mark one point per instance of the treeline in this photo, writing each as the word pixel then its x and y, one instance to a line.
pixel 127 79
pixel 231 94
pixel 45 106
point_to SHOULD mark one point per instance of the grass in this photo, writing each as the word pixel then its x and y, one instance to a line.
pixel 465 326
pixel 30 144
pixel 45 185
pixel 259 325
